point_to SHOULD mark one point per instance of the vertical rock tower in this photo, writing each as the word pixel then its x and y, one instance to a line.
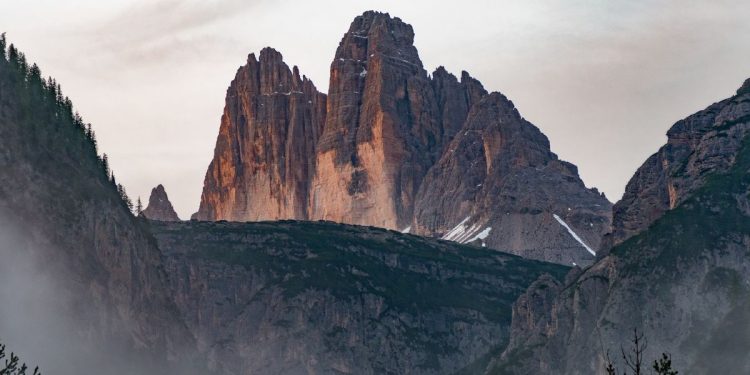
pixel 394 147
pixel 159 207
pixel 382 133
pixel 264 156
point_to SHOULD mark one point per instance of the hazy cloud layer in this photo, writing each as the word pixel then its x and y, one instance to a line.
pixel 603 79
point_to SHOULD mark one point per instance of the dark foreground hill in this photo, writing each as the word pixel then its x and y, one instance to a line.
pixel 324 298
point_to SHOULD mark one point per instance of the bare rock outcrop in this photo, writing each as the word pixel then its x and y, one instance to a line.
pixel 382 133
pixel 265 152
pixel 677 270
pixel 394 147
pixel 702 143
pixel 499 184
pixel 159 207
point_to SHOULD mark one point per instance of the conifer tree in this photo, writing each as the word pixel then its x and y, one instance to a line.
pixel 138 207
pixel 124 197
pixel 91 135
pixel 633 359
pixel 23 66
pixel 663 366
pixel 35 74
pixel 2 45
pixel 12 54
pixel 105 164
pixel 12 365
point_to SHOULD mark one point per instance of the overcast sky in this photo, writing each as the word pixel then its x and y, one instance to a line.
pixel 603 79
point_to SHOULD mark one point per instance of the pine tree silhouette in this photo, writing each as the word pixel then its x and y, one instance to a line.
pixel 12 365
pixel 633 359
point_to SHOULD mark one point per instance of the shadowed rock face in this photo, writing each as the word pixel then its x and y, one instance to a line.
pixel 696 146
pixel 159 207
pixel 384 153
pixel 499 178
pixel 265 152
pixel 677 271
pixel 454 100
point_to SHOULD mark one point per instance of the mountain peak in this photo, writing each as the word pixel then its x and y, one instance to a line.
pixel 378 35
pixel 159 207
pixel 361 154
pixel 270 54
pixel 280 114
pixel 745 89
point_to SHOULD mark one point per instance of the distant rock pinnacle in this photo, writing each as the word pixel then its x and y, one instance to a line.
pixel 159 208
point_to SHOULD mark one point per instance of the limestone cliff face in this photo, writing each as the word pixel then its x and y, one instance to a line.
pixel 159 207
pixel 265 152
pixel 681 275
pixel 498 183
pixel 382 133
pixel 454 100
pixel 397 148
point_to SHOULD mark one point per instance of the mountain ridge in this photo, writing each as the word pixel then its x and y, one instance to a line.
pixel 381 156
pixel 680 276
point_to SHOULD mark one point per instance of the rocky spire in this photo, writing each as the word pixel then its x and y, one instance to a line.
pixel 265 152
pixel 745 89
pixel 389 138
pixel 454 100
pixel 159 208
pixel 382 131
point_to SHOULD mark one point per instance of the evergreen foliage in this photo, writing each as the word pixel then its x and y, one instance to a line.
pixel 633 359
pixel 49 117
pixel 11 365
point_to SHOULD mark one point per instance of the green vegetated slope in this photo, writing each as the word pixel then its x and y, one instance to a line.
pixel 395 303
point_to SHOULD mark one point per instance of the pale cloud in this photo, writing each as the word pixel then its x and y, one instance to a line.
pixel 159 31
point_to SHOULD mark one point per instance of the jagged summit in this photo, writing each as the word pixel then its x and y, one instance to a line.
pixel 159 207
pixel 269 130
pixel 745 88
pixel 499 182
pixel 386 133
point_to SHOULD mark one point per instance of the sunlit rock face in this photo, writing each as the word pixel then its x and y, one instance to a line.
pixel 394 147
pixel 159 207
pixel 265 152
pixel 382 132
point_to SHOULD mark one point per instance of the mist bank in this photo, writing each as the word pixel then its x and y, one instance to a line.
pixel 47 323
